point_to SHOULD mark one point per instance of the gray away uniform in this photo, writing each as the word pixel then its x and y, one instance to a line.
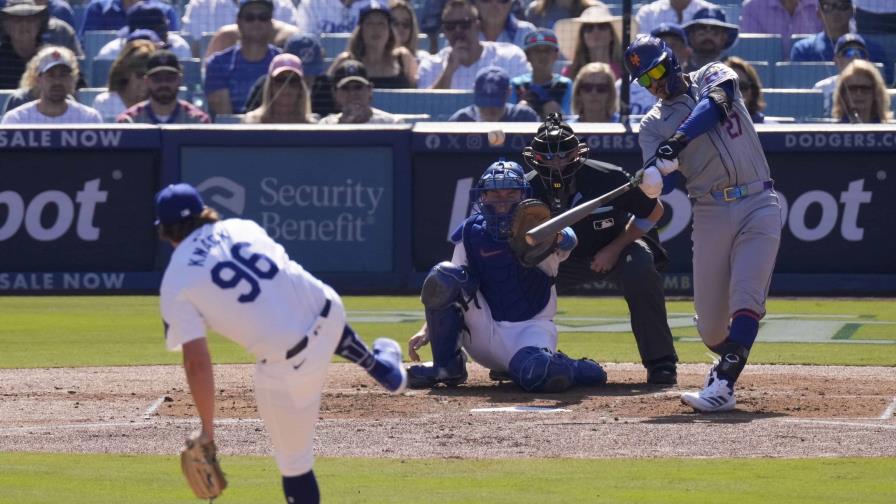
pixel 735 238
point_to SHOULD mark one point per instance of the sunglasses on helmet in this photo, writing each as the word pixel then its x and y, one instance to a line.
pixel 654 74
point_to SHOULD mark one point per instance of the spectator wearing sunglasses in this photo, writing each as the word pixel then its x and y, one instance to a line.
pixel 285 98
pixel 780 17
pixel 163 78
pixel 836 17
pixel 849 47
pixel 543 90
pixel 126 83
pixel 456 66
pixel 594 95
pixel 750 87
pixel 405 27
pixel 595 36
pixel 354 93
pixel 709 34
pixel 861 95
pixel 490 103
pixel 231 73
pixel 498 24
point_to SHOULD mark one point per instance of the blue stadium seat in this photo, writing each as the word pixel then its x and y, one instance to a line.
pixel 765 72
pixel 192 72
pixel 94 40
pixel 802 75
pixel 4 97
pixel 438 103
pixel 798 103
pixel 85 96
pixel 334 43
pixel 228 118
pixel 888 42
pixel 757 47
pixel 204 41
pixel 99 72
pixel 80 11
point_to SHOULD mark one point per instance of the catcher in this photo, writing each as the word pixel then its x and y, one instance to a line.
pixel 496 298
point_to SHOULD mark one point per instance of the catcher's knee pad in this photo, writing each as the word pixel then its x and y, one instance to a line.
pixel 447 284
pixel 540 370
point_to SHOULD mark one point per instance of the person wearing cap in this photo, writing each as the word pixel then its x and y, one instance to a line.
pixel 389 65
pixel 24 28
pixel 285 96
pixel 309 49
pixel 490 95
pixel 709 34
pixel 498 24
pixel 860 96
pixel 59 9
pixel 595 36
pixel 850 46
pixel 329 16
pixel 354 93
pixel 57 70
pixel 146 16
pixel 163 78
pixel 780 17
pixel 112 15
pixel 231 73
pixel 456 66
pixel 543 90
pixel 209 16
pixel 545 13
pixel 651 15
pixel 229 275
pixel 126 84
pixel 640 100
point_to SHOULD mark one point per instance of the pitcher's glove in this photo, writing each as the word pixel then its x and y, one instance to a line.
pixel 199 463
pixel 528 214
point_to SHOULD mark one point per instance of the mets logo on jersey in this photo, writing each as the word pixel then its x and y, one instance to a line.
pixel 635 60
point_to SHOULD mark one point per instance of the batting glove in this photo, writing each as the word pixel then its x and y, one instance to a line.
pixel 651 183
pixel 668 151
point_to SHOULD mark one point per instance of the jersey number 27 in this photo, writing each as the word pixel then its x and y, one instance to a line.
pixel 251 269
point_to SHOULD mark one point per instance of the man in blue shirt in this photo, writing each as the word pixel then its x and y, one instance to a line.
pixel 231 73
pixel 490 96
pixel 112 15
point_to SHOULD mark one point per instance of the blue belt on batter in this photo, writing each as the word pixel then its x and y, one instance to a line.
pixel 292 352
pixel 737 192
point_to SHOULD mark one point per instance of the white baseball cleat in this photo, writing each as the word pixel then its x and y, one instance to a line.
pixel 388 352
pixel 717 395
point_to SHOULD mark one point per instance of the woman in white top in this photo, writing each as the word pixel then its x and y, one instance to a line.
pixel 126 84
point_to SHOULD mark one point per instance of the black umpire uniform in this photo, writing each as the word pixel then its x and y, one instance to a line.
pixel 636 269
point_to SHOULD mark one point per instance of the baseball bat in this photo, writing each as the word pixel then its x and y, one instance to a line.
pixel 549 229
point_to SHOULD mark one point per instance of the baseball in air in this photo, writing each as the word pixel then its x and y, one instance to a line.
pixel 496 138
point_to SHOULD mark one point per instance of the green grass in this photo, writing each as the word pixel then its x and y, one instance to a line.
pixel 32 478
pixel 108 331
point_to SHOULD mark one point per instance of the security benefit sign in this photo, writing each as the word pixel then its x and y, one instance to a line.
pixel 837 212
pixel 76 211
pixel 330 207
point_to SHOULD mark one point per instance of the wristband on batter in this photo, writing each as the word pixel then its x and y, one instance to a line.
pixel 643 224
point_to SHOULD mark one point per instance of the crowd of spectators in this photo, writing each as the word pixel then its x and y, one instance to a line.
pixel 263 61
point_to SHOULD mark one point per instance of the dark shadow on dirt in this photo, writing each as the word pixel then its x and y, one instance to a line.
pixel 726 417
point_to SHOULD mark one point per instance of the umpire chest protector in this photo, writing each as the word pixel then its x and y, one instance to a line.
pixel 513 292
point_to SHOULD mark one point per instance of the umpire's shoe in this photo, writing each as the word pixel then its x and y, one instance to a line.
pixel 663 374
pixel 717 395
pixel 390 374
pixel 422 376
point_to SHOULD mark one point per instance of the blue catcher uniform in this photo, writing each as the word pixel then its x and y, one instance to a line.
pixel 498 310
pixel 701 129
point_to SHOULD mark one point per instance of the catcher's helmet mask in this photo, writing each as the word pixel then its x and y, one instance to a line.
pixel 498 213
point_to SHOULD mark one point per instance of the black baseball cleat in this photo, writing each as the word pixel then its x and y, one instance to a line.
pixel 499 376
pixel 422 376
pixel 663 374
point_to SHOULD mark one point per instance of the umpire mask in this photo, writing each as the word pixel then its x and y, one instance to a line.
pixel 556 154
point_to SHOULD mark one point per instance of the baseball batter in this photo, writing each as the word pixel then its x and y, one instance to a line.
pixel 701 127
pixel 499 310
pixel 229 275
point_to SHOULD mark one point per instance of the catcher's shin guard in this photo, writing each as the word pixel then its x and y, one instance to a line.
pixel 586 371
pixel 540 370
pixel 445 291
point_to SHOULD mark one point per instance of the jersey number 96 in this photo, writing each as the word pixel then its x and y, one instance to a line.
pixel 251 269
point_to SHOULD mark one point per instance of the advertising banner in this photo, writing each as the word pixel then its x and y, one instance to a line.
pixel 331 212
pixel 77 210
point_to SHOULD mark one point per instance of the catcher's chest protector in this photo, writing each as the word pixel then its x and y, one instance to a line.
pixel 513 292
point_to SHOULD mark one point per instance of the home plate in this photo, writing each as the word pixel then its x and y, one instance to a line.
pixel 519 409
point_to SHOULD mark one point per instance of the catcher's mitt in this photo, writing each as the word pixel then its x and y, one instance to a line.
pixel 528 214
pixel 199 463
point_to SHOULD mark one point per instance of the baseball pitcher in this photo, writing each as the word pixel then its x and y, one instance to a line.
pixel 229 275
pixel 701 129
